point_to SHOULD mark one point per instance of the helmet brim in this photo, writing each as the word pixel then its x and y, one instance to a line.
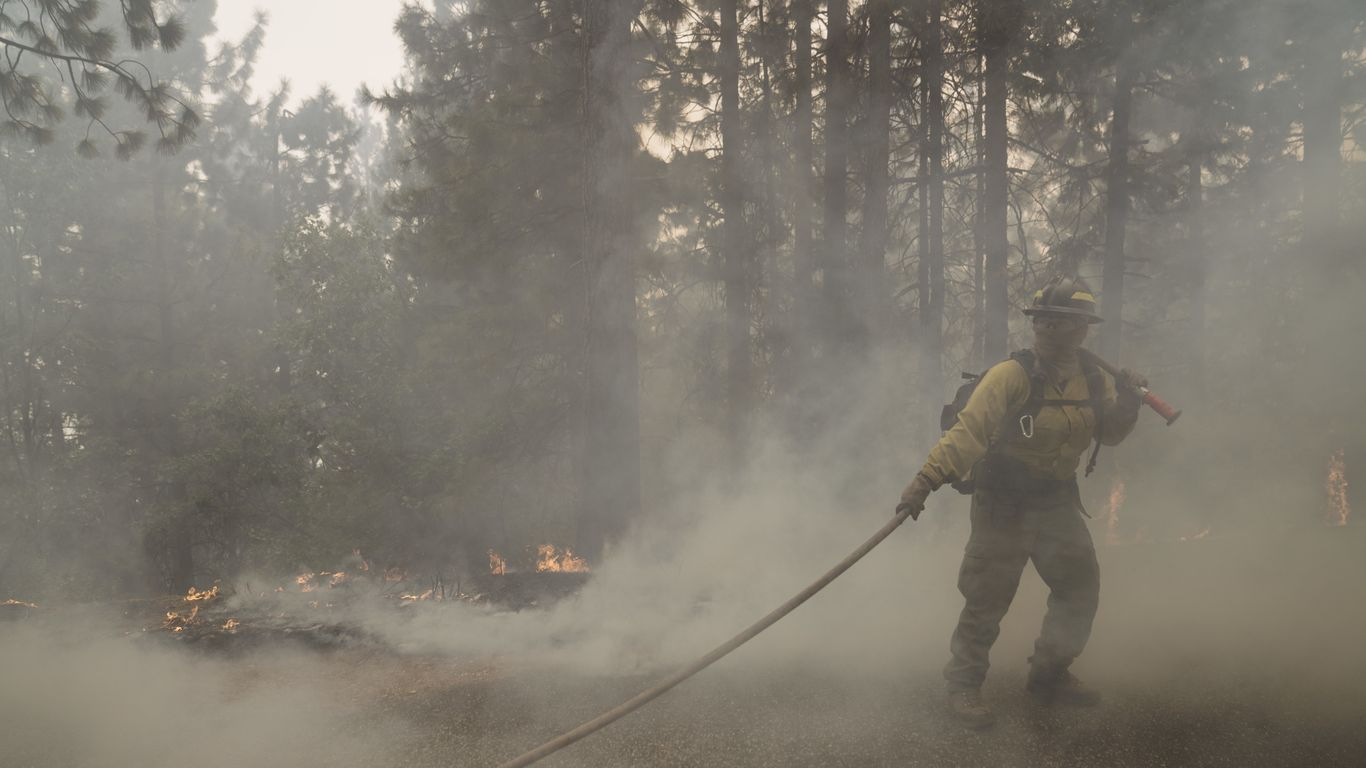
pixel 1091 317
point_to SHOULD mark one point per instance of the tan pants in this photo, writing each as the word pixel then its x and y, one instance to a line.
pixel 1008 531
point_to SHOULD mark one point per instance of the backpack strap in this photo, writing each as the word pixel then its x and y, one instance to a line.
pixel 1030 363
pixel 1025 358
pixel 1095 395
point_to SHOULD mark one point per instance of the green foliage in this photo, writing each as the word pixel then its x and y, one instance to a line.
pixel 244 466
pixel 309 332
pixel 70 38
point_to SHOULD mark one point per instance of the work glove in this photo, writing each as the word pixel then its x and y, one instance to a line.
pixel 1133 379
pixel 914 496
pixel 1130 386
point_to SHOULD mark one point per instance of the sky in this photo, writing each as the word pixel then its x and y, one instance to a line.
pixel 354 43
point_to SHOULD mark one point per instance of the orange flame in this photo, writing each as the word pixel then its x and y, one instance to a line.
pixel 1112 518
pixel 1198 536
pixel 306 582
pixel 497 565
pixel 176 622
pixel 195 595
pixel 1338 509
pixel 231 625
pixel 548 560
pixel 19 602
pixel 338 578
pixel 428 595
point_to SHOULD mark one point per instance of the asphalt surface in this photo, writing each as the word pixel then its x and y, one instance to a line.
pixel 824 718
pixel 66 703
pixel 1232 653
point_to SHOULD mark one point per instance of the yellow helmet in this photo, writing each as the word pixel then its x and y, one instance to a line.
pixel 1065 296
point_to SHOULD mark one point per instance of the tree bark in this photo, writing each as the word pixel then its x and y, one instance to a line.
pixel 873 244
pixel 997 21
pixel 803 252
pixel 1195 235
pixel 979 254
pixel 1116 213
pixel 23 335
pixel 180 540
pixel 922 191
pixel 736 256
pixel 1331 274
pixel 835 323
pixel 611 413
pixel 282 375
pixel 932 306
pixel 1322 118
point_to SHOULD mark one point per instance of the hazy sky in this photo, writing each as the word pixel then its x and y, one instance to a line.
pixel 340 42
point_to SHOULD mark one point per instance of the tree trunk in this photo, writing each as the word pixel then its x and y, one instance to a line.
pixel 835 323
pixel 932 306
pixel 180 558
pixel 803 253
pixel 1116 213
pixel 873 245
pixel 20 358
pixel 611 413
pixel 979 255
pixel 998 20
pixel 922 192
pixel 1195 235
pixel 734 251
pixel 1332 277
pixel 282 375
pixel 1322 119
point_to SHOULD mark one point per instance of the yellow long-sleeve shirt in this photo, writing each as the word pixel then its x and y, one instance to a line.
pixel 1061 434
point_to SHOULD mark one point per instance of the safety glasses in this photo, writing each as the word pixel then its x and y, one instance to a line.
pixel 1058 322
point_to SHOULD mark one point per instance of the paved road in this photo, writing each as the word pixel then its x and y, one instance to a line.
pixel 822 718
pixel 1243 658
pixel 67 702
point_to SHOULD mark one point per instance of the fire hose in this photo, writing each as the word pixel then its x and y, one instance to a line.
pixel 645 697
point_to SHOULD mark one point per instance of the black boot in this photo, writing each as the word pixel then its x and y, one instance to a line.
pixel 967 707
pixel 1050 687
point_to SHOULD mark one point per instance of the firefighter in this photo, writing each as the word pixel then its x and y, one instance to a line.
pixel 1017 444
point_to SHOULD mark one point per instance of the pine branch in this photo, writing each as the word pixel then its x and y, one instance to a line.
pixel 61 34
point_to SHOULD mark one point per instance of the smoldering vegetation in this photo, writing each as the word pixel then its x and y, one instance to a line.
pixel 678 288
pixel 1229 649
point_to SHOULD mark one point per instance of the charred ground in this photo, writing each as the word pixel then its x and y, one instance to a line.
pixel 1232 651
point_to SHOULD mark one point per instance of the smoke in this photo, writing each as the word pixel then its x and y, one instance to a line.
pixel 1260 618
pixel 1260 612
pixel 68 699
pixel 1265 596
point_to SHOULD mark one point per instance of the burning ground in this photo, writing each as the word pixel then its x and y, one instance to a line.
pixel 1228 649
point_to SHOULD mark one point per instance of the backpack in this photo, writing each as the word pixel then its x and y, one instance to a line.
pixel 1095 391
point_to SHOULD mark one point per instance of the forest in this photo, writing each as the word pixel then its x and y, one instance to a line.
pixel 584 262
